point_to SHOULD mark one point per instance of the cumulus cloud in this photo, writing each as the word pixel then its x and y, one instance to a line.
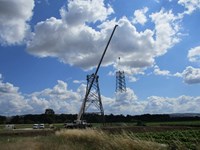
pixel 190 5
pixel 191 75
pixel 59 98
pixel 11 100
pixel 80 12
pixel 181 104
pixel 74 42
pixel 78 81
pixel 157 71
pixel 140 16
pixel 64 100
pixel 194 54
pixel 14 17
pixel 167 29
pixel 123 102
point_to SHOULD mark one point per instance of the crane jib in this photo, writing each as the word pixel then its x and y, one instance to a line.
pixel 95 74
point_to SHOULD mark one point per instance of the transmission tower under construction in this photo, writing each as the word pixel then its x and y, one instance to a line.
pixel 120 80
pixel 93 96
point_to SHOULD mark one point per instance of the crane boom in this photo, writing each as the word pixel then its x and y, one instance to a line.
pixel 95 74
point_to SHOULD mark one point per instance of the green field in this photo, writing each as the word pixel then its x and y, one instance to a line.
pixel 188 139
pixel 175 123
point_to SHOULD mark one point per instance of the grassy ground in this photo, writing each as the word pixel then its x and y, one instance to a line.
pixel 96 139
pixel 78 140
pixel 91 139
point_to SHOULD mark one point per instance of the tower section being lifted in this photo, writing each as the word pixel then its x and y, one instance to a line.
pixel 120 80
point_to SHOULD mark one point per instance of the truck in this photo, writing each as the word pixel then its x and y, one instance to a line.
pixel 81 124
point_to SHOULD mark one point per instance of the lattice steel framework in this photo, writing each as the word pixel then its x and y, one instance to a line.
pixel 120 81
pixel 93 99
pixel 92 95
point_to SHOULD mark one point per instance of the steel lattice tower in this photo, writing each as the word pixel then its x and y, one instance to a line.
pixel 93 99
pixel 120 79
pixel 92 96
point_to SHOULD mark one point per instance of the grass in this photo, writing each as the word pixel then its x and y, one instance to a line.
pixel 175 123
pixel 95 139
pixel 78 140
pixel 91 139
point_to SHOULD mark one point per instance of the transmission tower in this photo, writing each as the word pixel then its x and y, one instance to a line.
pixel 94 97
pixel 120 80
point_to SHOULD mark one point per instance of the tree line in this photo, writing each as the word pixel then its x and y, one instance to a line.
pixel 91 118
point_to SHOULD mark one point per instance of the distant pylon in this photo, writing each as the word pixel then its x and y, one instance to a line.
pixel 93 99
pixel 120 80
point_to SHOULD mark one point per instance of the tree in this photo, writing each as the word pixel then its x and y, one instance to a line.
pixel 49 112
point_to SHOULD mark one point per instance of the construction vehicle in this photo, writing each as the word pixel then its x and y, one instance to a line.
pixel 80 123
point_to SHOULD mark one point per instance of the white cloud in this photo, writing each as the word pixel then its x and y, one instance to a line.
pixel 14 17
pixel 123 103
pixel 11 100
pixel 194 54
pixel 181 104
pixel 78 81
pixel 81 45
pixel 140 16
pixel 157 71
pixel 59 98
pixel 167 29
pixel 132 79
pixel 190 5
pixel 64 100
pixel 191 75
pixel 80 12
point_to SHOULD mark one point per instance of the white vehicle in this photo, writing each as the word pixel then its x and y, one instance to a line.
pixel 35 126
pixel 41 126
pixel 10 127
pixel 38 126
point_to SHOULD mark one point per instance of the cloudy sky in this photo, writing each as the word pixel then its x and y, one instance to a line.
pixel 47 47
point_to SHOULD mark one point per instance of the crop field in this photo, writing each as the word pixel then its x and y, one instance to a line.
pixel 187 139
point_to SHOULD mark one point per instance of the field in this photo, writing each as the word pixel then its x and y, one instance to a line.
pixel 116 136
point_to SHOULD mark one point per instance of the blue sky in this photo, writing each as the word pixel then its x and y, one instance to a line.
pixel 47 47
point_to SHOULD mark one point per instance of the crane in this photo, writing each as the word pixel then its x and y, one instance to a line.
pixel 80 123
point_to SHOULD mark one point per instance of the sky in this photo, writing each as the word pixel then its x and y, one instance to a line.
pixel 48 47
